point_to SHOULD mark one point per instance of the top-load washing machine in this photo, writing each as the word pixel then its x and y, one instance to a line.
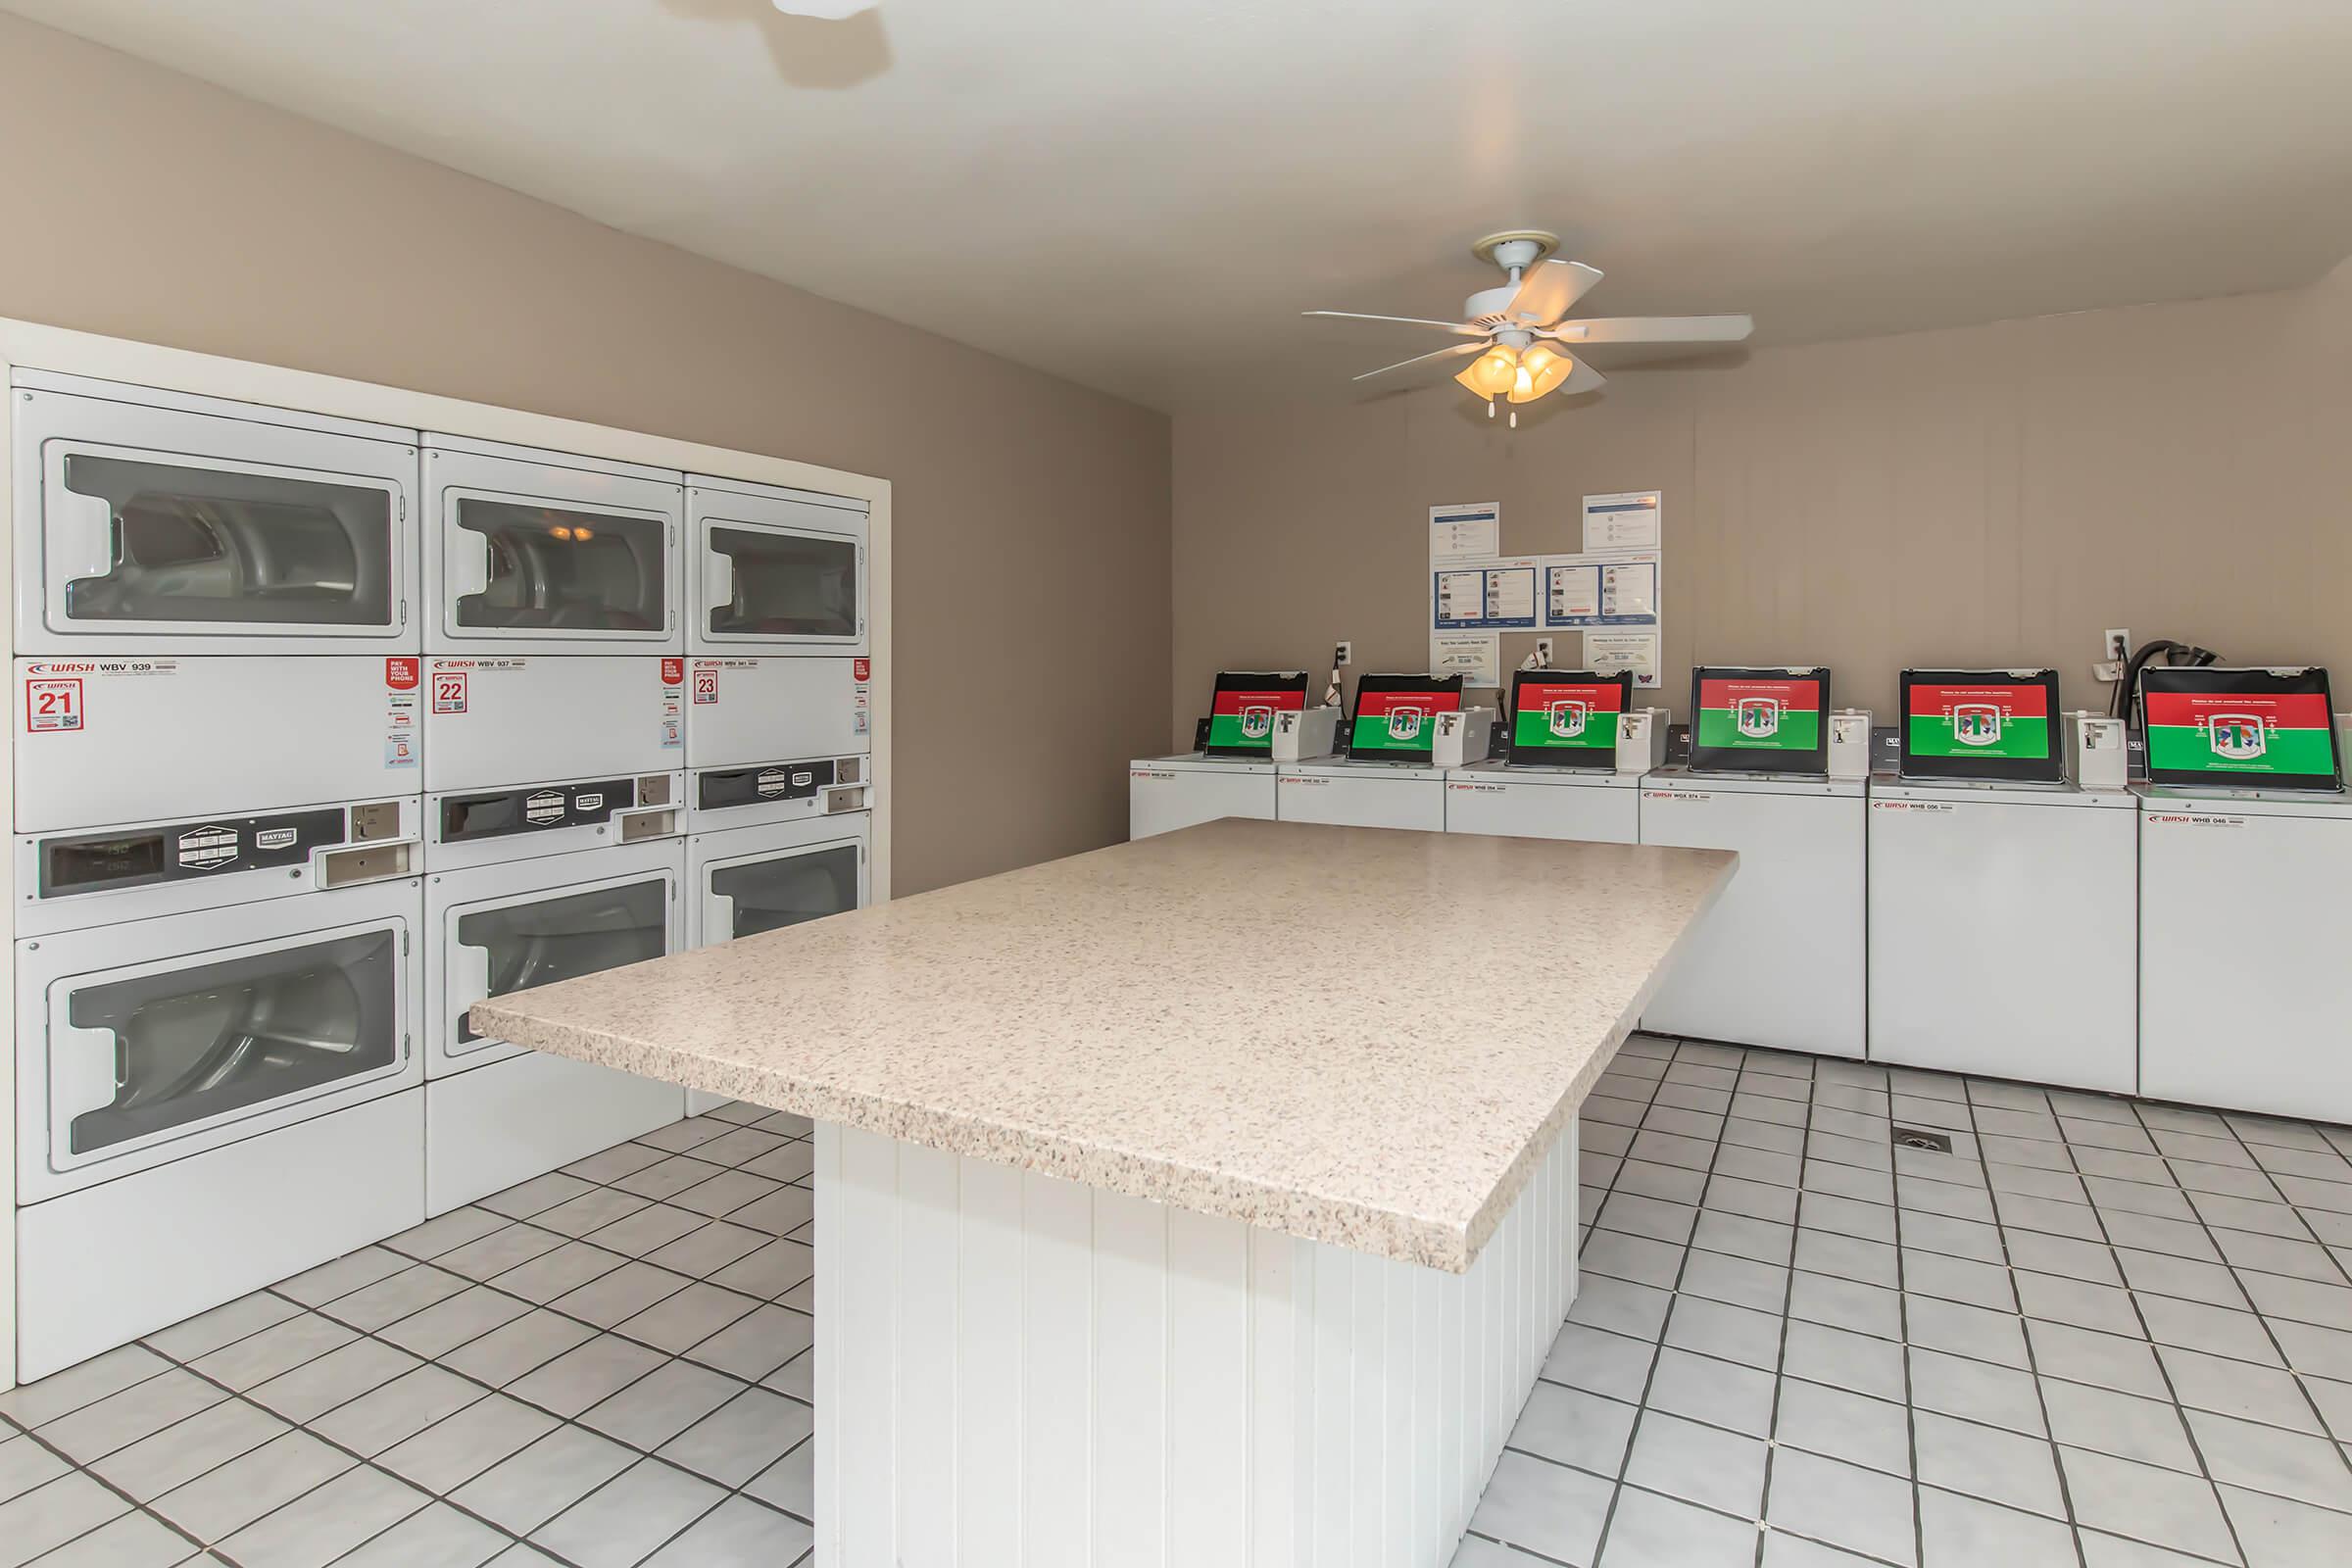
pixel 534 552
pixel 773 570
pixel 1388 777
pixel 2003 899
pixel 152 523
pixel 1779 961
pixel 1558 777
pixel 1233 772
pixel 2245 850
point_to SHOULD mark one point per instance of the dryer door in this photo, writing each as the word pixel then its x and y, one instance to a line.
pixel 767 893
pixel 782 585
pixel 166 1056
pixel 537 939
pixel 164 530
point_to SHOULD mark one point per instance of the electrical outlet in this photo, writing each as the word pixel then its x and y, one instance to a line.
pixel 2108 671
pixel 2119 643
pixel 1343 654
pixel 1544 651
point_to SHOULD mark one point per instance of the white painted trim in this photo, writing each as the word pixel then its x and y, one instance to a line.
pixel 1018 1371
pixel 49 347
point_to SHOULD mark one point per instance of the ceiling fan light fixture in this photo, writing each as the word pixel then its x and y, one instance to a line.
pixel 1492 373
pixel 1541 370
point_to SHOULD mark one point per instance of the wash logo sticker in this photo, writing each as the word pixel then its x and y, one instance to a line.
pixel 2282 735
pixel 1759 714
pixel 1399 721
pixel 2009 722
pixel 2238 737
pixel 1247 718
pixel 1758 717
pixel 1564 715
pixel 1977 724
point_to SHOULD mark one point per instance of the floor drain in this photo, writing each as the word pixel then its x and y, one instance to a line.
pixel 1918 1137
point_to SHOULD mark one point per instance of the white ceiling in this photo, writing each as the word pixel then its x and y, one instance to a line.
pixel 1142 194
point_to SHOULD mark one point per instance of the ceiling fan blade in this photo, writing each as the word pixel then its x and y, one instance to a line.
pixel 1549 290
pixel 1584 379
pixel 1455 351
pixel 1656 329
pixel 1461 328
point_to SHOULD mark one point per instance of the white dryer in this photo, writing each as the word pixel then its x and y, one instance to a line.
pixel 1545 803
pixel 772 570
pixel 1361 794
pixel 102 740
pixel 776 736
pixel 158 523
pixel 496 1113
pixel 1779 960
pixel 743 881
pixel 533 552
pixel 1166 793
pixel 2244 988
pixel 2002 936
pixel 173 1071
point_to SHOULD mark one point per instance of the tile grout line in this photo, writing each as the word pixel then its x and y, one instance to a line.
pixel 2025 1333
pixel 1779 1370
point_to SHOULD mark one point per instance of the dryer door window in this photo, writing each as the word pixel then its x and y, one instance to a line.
pixel 564 937
pixel 771 895
pixel 785 584
pixel 142 1057
pixel 564 568
pixel 219 548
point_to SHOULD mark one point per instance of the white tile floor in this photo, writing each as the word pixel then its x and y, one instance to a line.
pixel 2102 1333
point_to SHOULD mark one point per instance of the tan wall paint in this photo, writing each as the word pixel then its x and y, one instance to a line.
pixel 1031 515
pixel 1994 495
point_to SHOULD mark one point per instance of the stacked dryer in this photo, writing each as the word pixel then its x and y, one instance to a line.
pixel 216 810
pixel 554 717
pixel 778 738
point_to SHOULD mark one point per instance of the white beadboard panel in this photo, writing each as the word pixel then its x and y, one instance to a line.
pixel 1020 1370
pixel 866 1242
pixel 930 1225
pixel 985 1402
pixel 1210 1366
pixel 1058 1353
pixel 1132 1387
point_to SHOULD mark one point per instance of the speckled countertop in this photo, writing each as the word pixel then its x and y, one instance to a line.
pixel 1354 1035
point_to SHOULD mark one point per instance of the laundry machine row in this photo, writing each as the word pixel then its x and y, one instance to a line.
pixel 161 522
pixel 275 829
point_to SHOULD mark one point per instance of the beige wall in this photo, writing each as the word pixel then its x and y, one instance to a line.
pixel 1031 515
pixel 1993 494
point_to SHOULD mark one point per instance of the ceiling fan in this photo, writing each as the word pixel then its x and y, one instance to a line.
pixel 1521 330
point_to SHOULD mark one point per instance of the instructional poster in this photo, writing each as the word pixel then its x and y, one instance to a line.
pixel 1588 590
pixel 1475 655
pixel 1636 652
pixel 1627 520
pixel 1488 596
pixel 1467 531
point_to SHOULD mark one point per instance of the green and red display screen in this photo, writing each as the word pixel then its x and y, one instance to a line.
pixel 1990 724
pixel 2267 729
pixel 1396 716
pixel 1240 715
pixel 1567 718
pixel 1759 721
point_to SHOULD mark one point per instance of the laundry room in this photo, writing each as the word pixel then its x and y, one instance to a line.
pixel 755 746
